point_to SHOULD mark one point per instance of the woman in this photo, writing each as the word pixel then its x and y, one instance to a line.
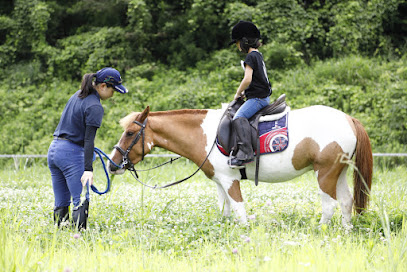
pixel 70 155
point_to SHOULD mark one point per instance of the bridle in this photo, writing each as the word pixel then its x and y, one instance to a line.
pixel 127 164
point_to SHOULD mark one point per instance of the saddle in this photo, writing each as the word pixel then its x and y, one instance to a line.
pixel 226 137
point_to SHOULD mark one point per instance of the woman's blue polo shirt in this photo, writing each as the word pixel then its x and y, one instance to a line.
pixel 79 113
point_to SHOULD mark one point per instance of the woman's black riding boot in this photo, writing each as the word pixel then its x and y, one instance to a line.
pixel 242 129
pixel 80 215
pixel 61 214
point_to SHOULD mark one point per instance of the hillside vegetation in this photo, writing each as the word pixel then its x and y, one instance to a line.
pixel 350 55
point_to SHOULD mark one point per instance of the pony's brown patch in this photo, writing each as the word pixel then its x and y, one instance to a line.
pixel 305 153
pixel 326 162
pixel 234 191
pixel 178 131
pixel 329 167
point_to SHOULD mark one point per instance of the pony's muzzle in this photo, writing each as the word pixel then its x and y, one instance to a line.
pixel 113 169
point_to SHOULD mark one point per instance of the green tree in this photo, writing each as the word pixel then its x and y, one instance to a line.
pixel 26 35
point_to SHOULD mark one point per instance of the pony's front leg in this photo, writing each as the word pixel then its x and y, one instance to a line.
pixel 223 201
pixel 234 195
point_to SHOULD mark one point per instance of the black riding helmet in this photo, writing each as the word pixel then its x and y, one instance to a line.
pixel 247 33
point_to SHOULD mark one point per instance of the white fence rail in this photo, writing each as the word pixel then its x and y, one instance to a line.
pixel 389 154
pixel 17 157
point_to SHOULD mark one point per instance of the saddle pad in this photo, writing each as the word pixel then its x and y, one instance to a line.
pixel 273 136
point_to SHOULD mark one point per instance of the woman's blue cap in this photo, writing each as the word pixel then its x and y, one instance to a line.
pixel 111 76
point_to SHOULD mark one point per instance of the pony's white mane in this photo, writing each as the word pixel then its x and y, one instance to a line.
pixel 125 122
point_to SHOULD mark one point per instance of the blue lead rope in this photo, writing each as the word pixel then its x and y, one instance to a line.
pixel 102 154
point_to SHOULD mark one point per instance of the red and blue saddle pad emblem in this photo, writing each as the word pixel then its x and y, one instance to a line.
pixel 273 136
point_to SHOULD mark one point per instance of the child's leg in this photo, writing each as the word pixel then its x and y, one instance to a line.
pixel 251 106
pixel 241 127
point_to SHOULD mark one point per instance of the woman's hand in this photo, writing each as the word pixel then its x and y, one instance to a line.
pixel 87 177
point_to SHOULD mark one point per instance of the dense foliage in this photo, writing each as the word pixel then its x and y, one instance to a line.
pixel 350 55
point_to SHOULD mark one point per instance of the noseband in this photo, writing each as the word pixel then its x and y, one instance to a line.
pixel 125 154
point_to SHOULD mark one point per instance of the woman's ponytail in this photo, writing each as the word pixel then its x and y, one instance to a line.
pixel 87 85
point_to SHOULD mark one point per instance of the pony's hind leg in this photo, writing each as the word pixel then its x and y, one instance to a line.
pixel 329 168
pixel 328 207
pixel 327 180
pixel 345 199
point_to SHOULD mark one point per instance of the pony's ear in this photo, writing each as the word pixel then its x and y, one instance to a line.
pixel 143 115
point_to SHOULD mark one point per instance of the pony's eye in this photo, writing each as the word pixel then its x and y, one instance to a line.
pixel 130 133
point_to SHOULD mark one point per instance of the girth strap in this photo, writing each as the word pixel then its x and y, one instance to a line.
pixel 243 173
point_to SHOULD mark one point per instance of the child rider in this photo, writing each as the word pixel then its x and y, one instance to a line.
pixel 255 86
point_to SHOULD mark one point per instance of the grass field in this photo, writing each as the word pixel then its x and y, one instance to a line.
pixel 133 228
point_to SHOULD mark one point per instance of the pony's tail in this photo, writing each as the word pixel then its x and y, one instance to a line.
pixel 362 173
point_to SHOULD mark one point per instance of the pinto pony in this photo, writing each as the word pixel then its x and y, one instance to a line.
pixel 321 138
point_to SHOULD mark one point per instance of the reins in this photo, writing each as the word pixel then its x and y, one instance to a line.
pixel 109 180
pixel 134 173
pixel 157 166
pixel 101 154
